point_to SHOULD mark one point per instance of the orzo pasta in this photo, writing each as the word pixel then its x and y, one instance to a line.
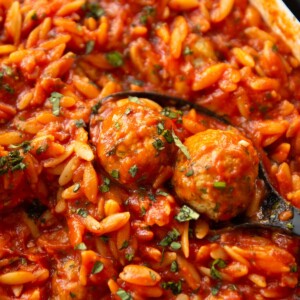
pixel 96 200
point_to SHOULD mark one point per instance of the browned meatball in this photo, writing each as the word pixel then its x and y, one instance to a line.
pixel 219 178
pixel 134 142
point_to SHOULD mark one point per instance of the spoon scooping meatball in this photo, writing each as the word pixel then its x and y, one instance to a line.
pixel 219 178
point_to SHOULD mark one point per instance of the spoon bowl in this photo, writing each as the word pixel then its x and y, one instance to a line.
pixel 272 204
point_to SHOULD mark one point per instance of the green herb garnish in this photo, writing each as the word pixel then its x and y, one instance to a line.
pixel 55 100
pixel 220 184
pixel 80 246
pixel 82 212
pixel 158 144
pixel 11 162
pixel 89 47
pixel 189 173
pixel 133 170
pixel 186 214
pixel 79 123
pixel 42 149
pixel 123 295
pixel 115 174
pixel 214 272
pixel 25 146
pixel 174 266
pixel 187 51
pixel 115 59
pixel 124 245
pixel 175 287
pixel 98 267
pixel 93 10
pixel 171 237
pixel 179 144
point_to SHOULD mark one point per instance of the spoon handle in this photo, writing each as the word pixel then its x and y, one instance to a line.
pixel 274 205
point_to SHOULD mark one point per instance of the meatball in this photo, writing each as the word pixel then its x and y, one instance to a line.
pixel 219 178
pixel 134 142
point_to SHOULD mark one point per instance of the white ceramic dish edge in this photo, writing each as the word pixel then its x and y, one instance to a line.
pixel 278 17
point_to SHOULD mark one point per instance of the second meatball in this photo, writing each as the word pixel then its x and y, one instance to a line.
pixel 219 178
pixel 134 142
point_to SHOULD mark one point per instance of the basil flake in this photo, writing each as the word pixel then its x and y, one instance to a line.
pixel 115 59
pixel 133 170
pixel 123 294
pixel 98 267
pixel 55 100
pixel 179 144
pixel 186 214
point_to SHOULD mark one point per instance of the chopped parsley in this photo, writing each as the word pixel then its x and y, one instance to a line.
pixel 79 123
pixel 143 211
pixel 93 10
pixel 8 88
pixel 152 275
pixel 294 268
pixel 174 266
pixel 175 246
pixel 97 267
pixel 275 48
pixel 117 125
pixel 179 144
pixel 55 100
pixel 127 111
pixel 148 12
pixel 175 287
pixel 123 294
pixel 124 245
pixel 214 272
pixel 72 295
pixel 82 212
pixel 25 146
pixel 133 170
pixel 168 136
pixel 162 193
pixel 171 237
pixel 8 70
pixel 137 82
pixel 89 47
pixel 170 113
pixel 160 128
pixel 215 289
pixel 187 51
pixel 220 184
pixel 158 144
pixel 151 196
pixel 12 162
pixel 133 99
pixel 104 188
pixel 186 214
pixel 95 108
pixel 34 16
pixel 41 149
pixel 115 59
pixel 214 238
pixel 129 256
pixel 80 246
pixel 189 173
pixel 115 174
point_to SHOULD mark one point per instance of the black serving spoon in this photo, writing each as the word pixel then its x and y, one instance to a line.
pixel 272 204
